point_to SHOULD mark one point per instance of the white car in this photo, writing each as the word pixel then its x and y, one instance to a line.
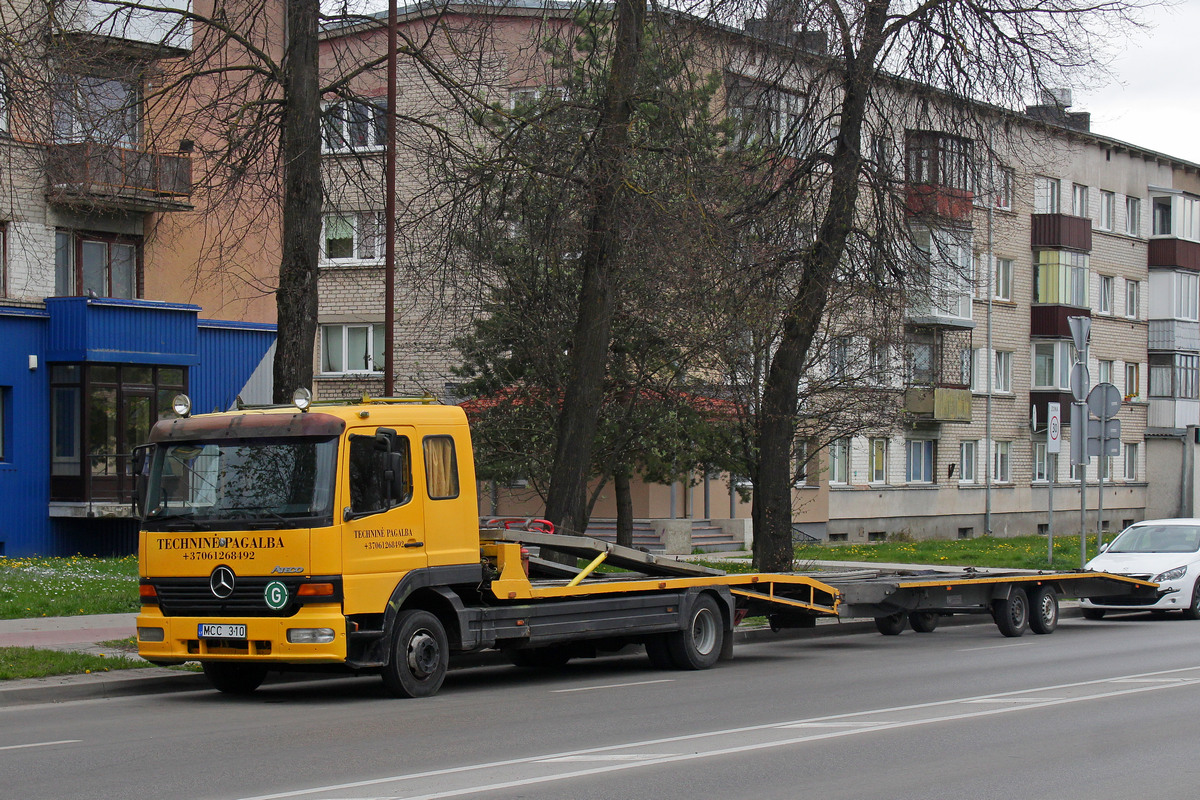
pixel 1165 551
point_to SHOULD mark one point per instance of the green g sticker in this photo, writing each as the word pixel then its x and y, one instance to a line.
pixel 276 595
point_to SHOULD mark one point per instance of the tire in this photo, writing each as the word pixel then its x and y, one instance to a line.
pixel 1043 610
pixel 1193 611
pixel 547 658
pixel 233 678
pixel 892 624
pixel 1012 614
pixel 698 646
pixel 419 657
pixel 659 653
pixel 1092 613
pixel 924 621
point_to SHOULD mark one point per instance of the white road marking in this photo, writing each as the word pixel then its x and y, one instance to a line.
pixel 606 757
pixel 1014 699
pixel 1062 695
pixel 40 744
pixel 610 686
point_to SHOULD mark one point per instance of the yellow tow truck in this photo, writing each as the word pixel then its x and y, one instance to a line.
pixel 346 536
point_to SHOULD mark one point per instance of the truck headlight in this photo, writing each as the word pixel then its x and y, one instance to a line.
pixel 310 635
pixel 1171 574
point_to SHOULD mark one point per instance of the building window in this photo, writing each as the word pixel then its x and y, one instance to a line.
pixel 877 353
pixel 1131 461
pixel 3 103
pixel 1187 294
pixel 354 237
pixel 1079 200
pixel 939 159
pixel 1175 375
pixel 1133 216
pixel 1046 195
pixel 96 264
pixel 839 357
pixel 1003 374
pixel 1004 189
pixel 1061 277
pixel 1003 279
pixel 1002 462
pixel 1131 299
pixel 1132 381
pixel 5 395
pixel 1105 374
pixel 839 461
pixel 800 463
pixel 942 283
pixel 1160 208
pixel 1104 303
pixel 966 461
pixel 1108 209
pixel 1041 462
pixel 352 348
pixel 919 461
pixel 96 109
pixel 1052 362
pixel 3 256
pixel 920 363
pixel 351 126
pixel 879 460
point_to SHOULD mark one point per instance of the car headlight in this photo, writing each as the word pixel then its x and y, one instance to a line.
pixel 1171 574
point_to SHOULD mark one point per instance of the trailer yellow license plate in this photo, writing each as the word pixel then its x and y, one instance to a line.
pixel 221 631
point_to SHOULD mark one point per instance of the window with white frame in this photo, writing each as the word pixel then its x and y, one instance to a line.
pixel 839 461
pixel 1104 373
pixel 839 356
pixel 1132 299
pixel 1052 362
pixel 352 348
pixel 919 460
pixel 966 461
pixel 1133 216
pixel 1002 377
pixel 877 352
pixel 1079 200
pixel 1041 463
pixel 1174 375
pixel 1187 295
pixel 1131 461
pixel 879 448
pixel 102 109
pixel 1003 286
pixel 354 125
pixel 1104 467
pixel 1108 210
pixel 1046 195
pixel 943 282
pixel 1002 462
pixel 1104 303
pixel 966 367
pixel 1132 380
pixel 1061 277
pixel 353 236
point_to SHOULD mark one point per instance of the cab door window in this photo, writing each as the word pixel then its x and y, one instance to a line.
pixel 369 485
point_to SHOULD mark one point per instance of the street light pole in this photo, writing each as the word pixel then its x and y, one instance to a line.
pixel 389 225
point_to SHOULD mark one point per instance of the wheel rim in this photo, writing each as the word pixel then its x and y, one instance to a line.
pixel 1049 609
pixel 423 654
pixel 1017 611
pixel 704 631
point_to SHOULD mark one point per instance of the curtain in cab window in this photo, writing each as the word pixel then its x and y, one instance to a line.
pixel 441 468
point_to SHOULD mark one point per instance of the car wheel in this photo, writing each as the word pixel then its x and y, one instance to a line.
pixel 1043 617
pixel 1193 611
pixel 1092 613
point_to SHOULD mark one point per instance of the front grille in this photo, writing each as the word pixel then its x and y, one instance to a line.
pixel 192 597
pixel 1124 600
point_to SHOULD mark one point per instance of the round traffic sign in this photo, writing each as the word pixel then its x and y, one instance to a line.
pixel 1104 400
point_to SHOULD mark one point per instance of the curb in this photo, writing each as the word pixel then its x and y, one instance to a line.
pixel 159 680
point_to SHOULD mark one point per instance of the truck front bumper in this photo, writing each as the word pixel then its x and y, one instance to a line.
pixel 299 639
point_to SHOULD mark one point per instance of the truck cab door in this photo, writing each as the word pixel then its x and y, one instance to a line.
pixel 383 530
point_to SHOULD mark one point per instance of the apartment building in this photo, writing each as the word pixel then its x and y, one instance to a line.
pixel 94 342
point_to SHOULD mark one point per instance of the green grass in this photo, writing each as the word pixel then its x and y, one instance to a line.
pixel 29 662
pixel 67 587
pixel 1020 552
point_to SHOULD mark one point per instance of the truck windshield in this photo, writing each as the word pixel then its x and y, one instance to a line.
pixel 238 484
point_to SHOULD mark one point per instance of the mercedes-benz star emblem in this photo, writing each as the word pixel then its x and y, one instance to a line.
pixel 221 582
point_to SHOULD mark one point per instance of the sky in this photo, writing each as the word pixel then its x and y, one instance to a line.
pixel 1154 101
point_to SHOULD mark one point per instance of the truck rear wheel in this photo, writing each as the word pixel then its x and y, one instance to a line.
pixel 1043 617
pixel 698 646
pixel 420 655
pixel 892 624
pixel 233 678
pixel 1012 613
pixel 924 621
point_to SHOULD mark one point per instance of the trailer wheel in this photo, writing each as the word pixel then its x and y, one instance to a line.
pixel 924 621
pixel 233 678
pixel 552 657
pixel 698 646
pixel 1012 614
pixel 892 624
pixel 1044 607
pixel 659 652
pixel 419 657
pixel 1092 613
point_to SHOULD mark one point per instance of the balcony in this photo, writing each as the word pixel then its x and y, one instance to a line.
pixel 1049 321
pixel 1172 335
pixel 1060 231
pixel 1174 253
pixel 91 174
pixel 147 30
pixel 939 404
pixel 926 200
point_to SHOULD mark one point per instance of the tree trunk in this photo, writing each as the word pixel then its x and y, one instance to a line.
pixel 624 508
pixel 566 502
pixel 776 423
pixel 296 299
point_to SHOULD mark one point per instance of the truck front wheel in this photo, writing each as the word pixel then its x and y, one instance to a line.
pixel 233 678
pixel 698 646
pixel 419 657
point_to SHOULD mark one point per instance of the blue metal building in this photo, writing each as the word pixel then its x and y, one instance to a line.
pixel 82 379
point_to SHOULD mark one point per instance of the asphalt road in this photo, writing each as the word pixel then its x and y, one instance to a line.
pixel 1097 710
